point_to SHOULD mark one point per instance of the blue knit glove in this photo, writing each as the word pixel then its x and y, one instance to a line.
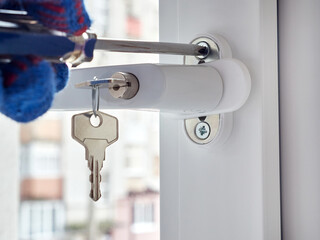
pixel 28 83
pixel 67 16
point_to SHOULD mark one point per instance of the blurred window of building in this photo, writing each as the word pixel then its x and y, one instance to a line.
pixel 143 212
pixel 105 187
pixel 41 219
pixel 135 161
pixel 41 185
pixel 100 8
pixel 138 214
pixel 40 159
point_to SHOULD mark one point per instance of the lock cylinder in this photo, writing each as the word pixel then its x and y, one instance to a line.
pixel 126 90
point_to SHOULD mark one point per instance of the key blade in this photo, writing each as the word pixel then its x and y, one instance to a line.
pixel 95 153
pixel 95 178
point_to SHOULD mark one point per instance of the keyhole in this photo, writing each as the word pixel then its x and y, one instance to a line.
pixel 95 120
pixel 116 87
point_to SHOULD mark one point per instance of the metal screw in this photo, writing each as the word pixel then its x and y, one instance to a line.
pixel 205 52
pixel 202 130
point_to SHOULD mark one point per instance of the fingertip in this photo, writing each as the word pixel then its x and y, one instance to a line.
pixel 62 76
pixel 31 95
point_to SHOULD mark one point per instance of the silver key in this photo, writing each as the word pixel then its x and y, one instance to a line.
pixel 95 139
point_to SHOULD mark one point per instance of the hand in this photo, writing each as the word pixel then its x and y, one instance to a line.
pixel 28 83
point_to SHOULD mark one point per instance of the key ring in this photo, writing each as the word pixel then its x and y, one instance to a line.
pixel 95 99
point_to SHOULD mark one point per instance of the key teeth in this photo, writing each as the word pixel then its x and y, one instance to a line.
pixel 90 165
pixel 91 178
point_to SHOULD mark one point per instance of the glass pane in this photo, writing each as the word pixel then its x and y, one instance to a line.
pixel 124 19
pixel 54 184
pixel 57 206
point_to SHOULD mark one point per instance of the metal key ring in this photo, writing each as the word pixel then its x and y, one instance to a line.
pixel 95 99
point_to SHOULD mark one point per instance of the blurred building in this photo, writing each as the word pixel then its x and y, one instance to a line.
pixel 41 184
pixel 124 19
pixel 131 169
pixel 54 189
pixel 54 185
pixel 136 167
pixel 137 217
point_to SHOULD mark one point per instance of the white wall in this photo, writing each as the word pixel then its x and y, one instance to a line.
pixel 9 177
pixel 299 48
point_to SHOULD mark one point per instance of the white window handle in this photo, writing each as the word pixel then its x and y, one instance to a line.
pixel 188 90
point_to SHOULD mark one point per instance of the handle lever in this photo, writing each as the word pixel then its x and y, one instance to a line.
pixel 201 50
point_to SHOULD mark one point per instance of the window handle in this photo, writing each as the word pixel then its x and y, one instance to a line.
pixel 190 90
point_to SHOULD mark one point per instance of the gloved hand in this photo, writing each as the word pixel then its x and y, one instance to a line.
pixel 28 83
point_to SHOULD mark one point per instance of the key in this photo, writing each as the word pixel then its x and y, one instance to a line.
pixel 95 139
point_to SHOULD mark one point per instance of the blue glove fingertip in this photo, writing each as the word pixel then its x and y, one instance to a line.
pixel 62 75
pixel 31 93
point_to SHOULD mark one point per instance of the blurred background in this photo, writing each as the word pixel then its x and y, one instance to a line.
pixel 52 183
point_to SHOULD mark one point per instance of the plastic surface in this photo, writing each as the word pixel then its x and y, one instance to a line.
pixel 220 86
pixel 229 189
pixel 236 83
pixel 299 37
